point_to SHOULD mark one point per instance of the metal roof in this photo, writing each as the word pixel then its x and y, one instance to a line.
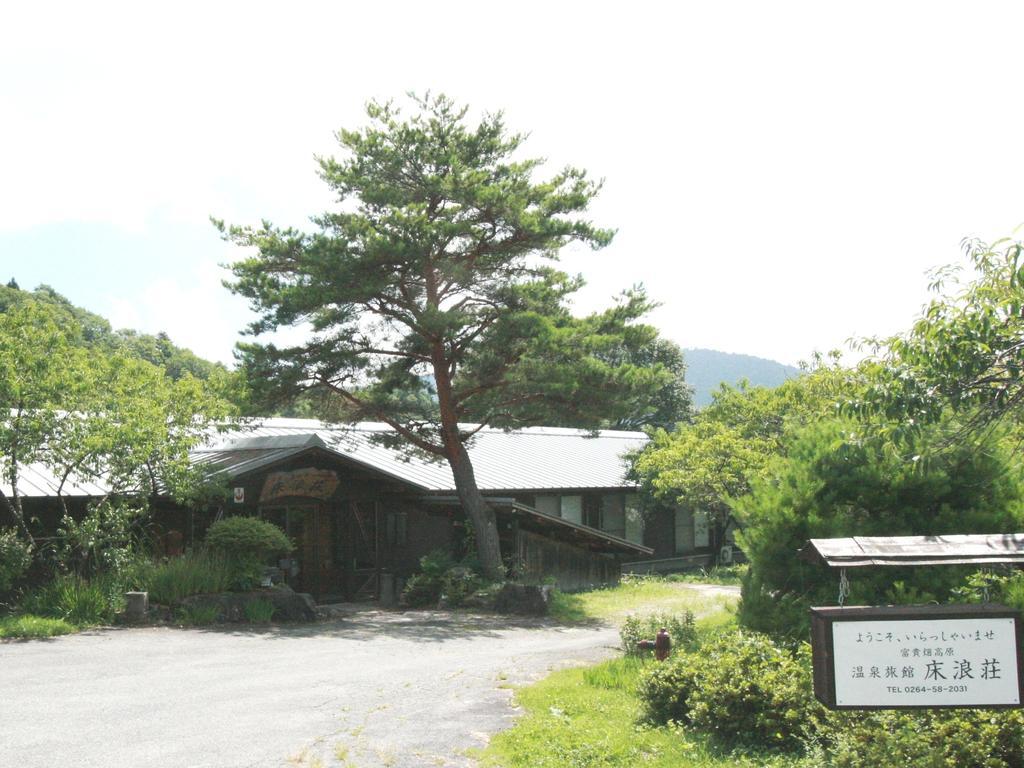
pixel 859 551
pixel 537 458
pixel 532 459
pixel 38 480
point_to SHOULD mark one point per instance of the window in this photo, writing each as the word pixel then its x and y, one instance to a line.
pixel 572 509
pixel 634 519
pixel 613 515
pixel 547 504
pixel 397 525
pixel 701 533
pixel 684 531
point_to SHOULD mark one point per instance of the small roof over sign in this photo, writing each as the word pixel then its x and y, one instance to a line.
pixel 858 551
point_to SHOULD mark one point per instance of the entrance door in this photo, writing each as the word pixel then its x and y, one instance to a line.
pixel 356 547
pixel 311 527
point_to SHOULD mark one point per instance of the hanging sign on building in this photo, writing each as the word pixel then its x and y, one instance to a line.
pixel 901 657
pixel 306 483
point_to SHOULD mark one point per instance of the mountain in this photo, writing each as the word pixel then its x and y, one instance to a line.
pixel 707 368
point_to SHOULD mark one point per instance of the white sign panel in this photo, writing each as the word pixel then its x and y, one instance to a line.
pixel 925 663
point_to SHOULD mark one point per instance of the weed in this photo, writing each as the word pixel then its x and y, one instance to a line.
pixel 199 615
pixel 27 626
pixel 259 611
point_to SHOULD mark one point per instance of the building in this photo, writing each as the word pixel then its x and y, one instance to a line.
pixel 363 512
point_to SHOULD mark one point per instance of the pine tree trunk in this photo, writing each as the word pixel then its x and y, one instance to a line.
pixel 479 512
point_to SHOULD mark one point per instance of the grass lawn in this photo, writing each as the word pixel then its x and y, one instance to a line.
pixel 590 717
pixel 28 626
pixel 638 595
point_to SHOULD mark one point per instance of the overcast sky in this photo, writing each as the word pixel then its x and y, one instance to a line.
pixel 781 175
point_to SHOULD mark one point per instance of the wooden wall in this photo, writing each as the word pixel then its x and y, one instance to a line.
pixel 541 558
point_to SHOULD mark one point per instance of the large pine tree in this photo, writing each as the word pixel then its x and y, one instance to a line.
pixel 429 296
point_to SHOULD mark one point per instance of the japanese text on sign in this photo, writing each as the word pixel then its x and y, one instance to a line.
pixel 927 662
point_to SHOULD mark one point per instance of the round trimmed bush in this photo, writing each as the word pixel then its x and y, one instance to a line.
pixel 247 543
pixel 248 538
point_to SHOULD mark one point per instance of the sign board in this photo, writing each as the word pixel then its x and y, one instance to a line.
pixel 903 657
pixel 239 495
pixel 307 483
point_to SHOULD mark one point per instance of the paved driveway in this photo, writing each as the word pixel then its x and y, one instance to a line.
pixel 373 689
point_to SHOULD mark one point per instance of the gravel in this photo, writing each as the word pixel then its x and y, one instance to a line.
pixel 373 688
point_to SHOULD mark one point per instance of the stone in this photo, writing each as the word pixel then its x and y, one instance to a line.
pixel 523 599
pixel 136 605
pixel 288 605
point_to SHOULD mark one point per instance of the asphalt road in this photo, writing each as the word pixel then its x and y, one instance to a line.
pixel 372 689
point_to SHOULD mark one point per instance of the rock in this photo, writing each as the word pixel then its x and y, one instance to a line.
pixel 523 599
pixel 136 606
pixel 288 605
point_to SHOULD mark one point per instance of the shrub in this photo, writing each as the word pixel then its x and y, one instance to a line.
pixel 961 738
pixel 259 611
pixel 248 538
pixel 836 481
pixel 76 600
pixel 247 543
pixel 681 629
pixel 15 558
pixel 665 691
pixel 425 588
pixel 740 688
pixel 194 573
pixel 459 583
pixel 105 540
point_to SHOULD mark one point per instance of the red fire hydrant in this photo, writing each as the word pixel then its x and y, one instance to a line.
pixel 661 645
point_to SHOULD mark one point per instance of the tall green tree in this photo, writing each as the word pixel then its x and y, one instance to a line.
pixel 965 352
pixel 85 415
pixel 435 265
pixel 839 478
pixel 708 463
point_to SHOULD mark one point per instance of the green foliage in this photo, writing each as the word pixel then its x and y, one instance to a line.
pixel 82 602
pixel 836 481
pixel 731 443
pixel 90 415
pixel 666 688
pixel 440 575
pixel 963 353
pixel 961 738
pixel 653 593
pixel 682 630
pixel 740 688
pixel 259 611
pixel 725 575
pixel 194 573
pixel 199 615
pixel 248 538
pixel 247 543
pixel 587 718
pixel 96 333
pixel 15 558
pixel 106 539
pixel 28 626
